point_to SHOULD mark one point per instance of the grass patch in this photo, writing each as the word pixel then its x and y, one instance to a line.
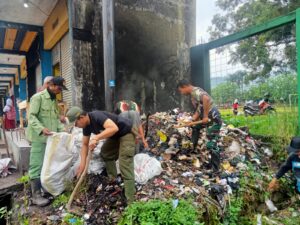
pixel 282 124
pixel 61 200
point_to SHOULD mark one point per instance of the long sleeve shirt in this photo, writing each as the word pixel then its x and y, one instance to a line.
pixel 43 113
pixel 292 162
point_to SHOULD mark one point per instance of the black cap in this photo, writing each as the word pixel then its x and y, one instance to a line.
pixel 59 81
pixel 294 145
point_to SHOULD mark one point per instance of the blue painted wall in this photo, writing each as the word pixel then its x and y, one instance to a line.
pixel 46 60
pixel 22 88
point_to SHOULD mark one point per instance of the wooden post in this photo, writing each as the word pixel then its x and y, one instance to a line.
pixel 109 52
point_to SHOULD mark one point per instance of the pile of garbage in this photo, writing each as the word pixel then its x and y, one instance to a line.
pixel 103 202
pixel 172 168
pixel 185 171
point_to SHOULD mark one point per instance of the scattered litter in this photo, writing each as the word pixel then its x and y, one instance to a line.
pixel 187 174
pixel 271 205
pixel 86 216
pixel 53 218
pixel 175 203
pixel 4 167
pixel 258 219
pixel 234 150
pixel 196 163
pixel 268 152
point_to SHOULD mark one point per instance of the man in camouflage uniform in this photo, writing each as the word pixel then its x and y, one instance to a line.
pixel 210 116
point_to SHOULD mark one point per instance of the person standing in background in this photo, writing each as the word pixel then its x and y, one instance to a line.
pixel 235 107
pixel 130 110
pixel 45 84
pixel 9 115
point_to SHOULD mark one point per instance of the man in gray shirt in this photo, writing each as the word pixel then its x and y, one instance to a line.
pixel 133 114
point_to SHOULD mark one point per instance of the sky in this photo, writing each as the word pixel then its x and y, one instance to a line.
pixel 219 66
pixel 206 9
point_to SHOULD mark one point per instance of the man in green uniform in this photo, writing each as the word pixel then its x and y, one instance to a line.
pixel 43 120
pixel 210 116
pixel 119 144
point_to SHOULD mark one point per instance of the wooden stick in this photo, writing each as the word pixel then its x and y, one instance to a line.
pixel 80 180
pixel 189 124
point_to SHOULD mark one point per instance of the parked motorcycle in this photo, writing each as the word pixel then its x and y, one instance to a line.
pixel 252 108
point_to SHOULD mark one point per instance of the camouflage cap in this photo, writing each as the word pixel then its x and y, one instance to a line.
pixel 74 113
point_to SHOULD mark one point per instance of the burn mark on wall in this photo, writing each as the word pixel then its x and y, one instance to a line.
pixel 88 57
pixel 152 41
pixel 152 48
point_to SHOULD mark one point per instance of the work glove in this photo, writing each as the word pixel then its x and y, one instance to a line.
pixel 273 185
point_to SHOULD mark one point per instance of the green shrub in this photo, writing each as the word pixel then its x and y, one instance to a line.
pixel 156 212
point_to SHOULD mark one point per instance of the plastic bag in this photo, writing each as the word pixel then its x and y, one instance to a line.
pixel 4 165
pixel 97 164
pixel 145 168
pixel 271 205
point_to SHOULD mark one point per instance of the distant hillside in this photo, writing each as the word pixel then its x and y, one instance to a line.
pixel 215 81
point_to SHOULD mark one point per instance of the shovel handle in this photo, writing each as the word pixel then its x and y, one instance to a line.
pixel 89 156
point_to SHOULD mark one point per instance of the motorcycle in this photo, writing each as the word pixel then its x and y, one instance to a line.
pixel 263 107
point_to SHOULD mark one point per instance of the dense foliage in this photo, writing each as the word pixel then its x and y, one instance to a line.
pixel 272 51
pixel 280 87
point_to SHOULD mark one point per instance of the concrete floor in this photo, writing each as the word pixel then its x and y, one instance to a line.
pixel 9 183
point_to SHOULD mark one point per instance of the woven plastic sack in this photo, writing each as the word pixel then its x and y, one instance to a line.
pixel 57 168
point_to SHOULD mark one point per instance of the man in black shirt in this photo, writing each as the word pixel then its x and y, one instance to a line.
pixel 292 163
pixel 119 144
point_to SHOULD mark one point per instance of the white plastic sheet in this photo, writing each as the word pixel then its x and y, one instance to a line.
pixel 145 168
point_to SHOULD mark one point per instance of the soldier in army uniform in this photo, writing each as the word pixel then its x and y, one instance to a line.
pixel 210 116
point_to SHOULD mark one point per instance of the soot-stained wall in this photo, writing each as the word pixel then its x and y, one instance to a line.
pixel 152 42
pixel 88 54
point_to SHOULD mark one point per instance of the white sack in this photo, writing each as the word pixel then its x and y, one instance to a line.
pixel 145 168
pixel 56 171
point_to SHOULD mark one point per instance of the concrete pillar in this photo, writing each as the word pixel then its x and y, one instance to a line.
pixel 108 52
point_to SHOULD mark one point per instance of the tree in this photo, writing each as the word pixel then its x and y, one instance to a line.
pixel 238 77
pixel 257 53
pixel 280 87
pixel 225 92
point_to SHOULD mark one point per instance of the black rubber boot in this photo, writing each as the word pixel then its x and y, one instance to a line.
pixel 37 198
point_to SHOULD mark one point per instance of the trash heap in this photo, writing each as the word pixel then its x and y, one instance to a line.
pixel 186 172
